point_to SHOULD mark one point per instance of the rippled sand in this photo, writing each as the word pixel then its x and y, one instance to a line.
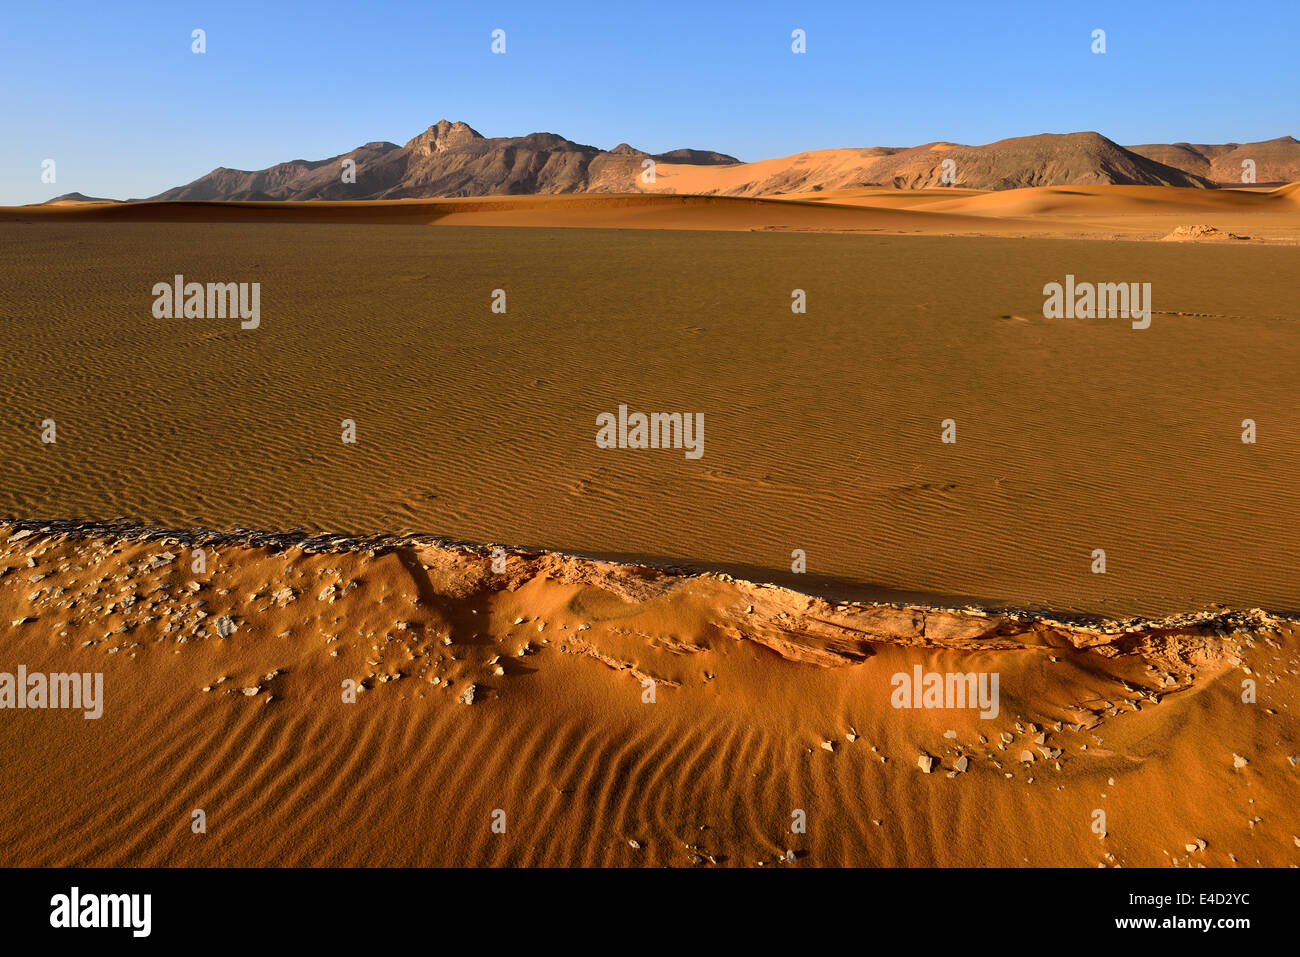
pixel 822 431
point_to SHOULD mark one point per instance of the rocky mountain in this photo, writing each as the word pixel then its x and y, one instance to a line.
pixel 454 160
pixel 447 159
pixel 1276 161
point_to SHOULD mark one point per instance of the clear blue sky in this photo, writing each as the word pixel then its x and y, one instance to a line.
pixel 112 92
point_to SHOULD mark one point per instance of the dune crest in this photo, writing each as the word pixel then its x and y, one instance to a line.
pixel 613 713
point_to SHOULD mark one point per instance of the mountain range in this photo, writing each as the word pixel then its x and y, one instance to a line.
pixel 454 160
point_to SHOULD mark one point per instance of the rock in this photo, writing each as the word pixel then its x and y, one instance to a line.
pixel 467 697
pixel 1027 756
pixel 961 764
pixel 22 621
pixel 1238 761
pixel 1199 231
pixel 252 691
pixel 634 844
pixel 950 735
pixel 828 745
pixel 925 762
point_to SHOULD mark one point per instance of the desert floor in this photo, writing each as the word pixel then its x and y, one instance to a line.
pixel 822 434
pixel 618 716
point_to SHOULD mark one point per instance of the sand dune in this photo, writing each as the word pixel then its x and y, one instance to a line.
pixel 1112 200
pixel 766 703
pixel 1082 212
pixel 622 211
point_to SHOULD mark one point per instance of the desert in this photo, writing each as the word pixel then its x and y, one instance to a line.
pixel 883 456
pixel 430 599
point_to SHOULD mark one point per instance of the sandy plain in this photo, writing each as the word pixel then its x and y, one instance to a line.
pixel 822 434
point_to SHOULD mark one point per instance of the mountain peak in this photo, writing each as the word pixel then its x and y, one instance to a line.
pixel 444 135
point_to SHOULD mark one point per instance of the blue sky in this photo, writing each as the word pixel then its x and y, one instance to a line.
pixel 113 93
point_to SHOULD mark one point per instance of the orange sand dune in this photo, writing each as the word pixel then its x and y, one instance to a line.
pixel 564 711
pixel 829 166
pixel 1111 200
pixel 625 211
pixel 1080 212
pixel 1128 212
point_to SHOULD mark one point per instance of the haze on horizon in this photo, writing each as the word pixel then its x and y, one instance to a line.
pixel 119 100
